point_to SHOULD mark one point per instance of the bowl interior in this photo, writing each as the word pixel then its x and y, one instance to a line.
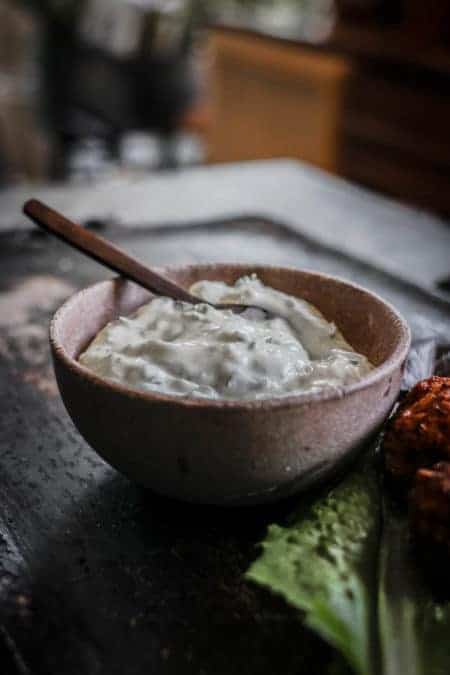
pixel 370 325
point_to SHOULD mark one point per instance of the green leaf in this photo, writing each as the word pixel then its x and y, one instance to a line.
pixel 397 616
pixel 324 563
pixel 347 561
pixel 414 625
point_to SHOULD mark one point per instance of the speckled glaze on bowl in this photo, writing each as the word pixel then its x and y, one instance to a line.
pixel 230 452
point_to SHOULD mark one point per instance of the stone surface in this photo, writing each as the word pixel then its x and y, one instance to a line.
pixel 98 576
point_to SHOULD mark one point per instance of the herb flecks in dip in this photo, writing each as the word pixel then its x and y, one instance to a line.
pixel 197 351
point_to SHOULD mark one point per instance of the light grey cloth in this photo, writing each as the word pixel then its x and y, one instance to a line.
pixel 408 243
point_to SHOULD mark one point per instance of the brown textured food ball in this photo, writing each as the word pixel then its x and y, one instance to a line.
pixel 430 505
pixel 418 435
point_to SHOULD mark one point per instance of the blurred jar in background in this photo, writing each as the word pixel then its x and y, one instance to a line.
pixel 91 72
pixel 119 67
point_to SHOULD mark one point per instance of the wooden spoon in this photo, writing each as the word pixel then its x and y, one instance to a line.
pixel 112 257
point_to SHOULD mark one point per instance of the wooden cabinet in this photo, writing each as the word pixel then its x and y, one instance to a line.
pixel 395 137
pixel 371 110
pixel 273 99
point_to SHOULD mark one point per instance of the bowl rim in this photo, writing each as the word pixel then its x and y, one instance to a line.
pixel 378 373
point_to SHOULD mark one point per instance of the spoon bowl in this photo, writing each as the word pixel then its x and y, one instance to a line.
pixel 230 452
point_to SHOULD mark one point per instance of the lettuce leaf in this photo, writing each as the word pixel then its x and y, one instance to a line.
pixel 397 610
pixel 414 624
pixel 325 563
pixel 348 563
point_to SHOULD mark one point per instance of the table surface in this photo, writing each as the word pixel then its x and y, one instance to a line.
pixel 96 574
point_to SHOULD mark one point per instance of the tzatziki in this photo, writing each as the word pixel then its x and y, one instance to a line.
pixel 189 350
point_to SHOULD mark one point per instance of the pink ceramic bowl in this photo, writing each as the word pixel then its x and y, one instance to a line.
pixel 230 452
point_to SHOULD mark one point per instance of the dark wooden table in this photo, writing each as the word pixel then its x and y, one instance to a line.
pixel 99 576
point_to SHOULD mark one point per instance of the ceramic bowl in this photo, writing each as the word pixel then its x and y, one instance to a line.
pixel 230 452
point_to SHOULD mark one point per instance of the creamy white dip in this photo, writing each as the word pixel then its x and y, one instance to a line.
pixel 198 351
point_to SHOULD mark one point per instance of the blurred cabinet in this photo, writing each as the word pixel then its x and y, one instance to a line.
pixel 395 137
pixel 374 110
pixel 272 99
pixel 23 146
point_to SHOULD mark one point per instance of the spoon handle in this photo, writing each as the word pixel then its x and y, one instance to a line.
pixel 103 251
